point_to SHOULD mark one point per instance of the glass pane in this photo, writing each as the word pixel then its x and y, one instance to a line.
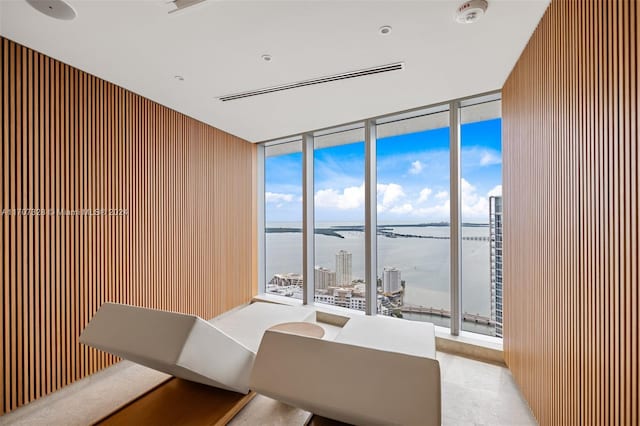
pixel 339 217
pixel 283 219
pixel 481 188
pixel 413 217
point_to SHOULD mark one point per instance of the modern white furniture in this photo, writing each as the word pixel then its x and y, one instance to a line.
pixel 300 328
pixel 375 371
pixel 220 353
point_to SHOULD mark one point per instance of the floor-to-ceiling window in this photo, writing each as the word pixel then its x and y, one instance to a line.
pixel 283 218
pixel 339 217
pixel 422 212
pixel 481 192
pixel 413 215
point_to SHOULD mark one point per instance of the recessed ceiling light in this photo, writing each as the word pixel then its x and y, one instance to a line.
pixel 471 11
pixel 266 58
pixel 58 9
pixel 384 30
pixel 178 77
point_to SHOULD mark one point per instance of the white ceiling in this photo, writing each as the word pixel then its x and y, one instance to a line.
pixel 217 46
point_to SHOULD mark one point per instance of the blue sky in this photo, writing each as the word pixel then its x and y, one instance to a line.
pixel 413 178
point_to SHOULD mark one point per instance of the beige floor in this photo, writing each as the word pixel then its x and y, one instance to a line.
pixel 88 400
pixel 265 411
pixel 473 393
pixel 477 393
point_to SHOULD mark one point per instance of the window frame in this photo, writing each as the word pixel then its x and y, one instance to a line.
pixel 308 222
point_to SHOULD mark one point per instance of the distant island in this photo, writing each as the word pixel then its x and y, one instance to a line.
pixel 384 230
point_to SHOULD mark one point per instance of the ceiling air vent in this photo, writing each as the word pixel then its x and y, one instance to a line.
pixel 344 76
pixel 178 5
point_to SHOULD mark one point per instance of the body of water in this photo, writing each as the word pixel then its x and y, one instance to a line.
pixel 423 262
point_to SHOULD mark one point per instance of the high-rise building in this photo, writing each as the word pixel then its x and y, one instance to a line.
pixel 343 268
pixel 391 282
pixel 324 278
pixel 495 237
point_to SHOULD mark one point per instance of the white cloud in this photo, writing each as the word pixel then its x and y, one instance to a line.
pixel 275 197
pixel 353 197
pixel 392 200
pixel 402 209
pixel 388 195
pixel 350 198
pixel 475 207
pixel 393 203
pixel 489 158
pixel 435 212
pixel 416 167
pixel 496 191
pixel 441 195
pixel 466 188
pixel 424 195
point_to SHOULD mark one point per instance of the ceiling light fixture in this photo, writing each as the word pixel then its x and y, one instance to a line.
pixel 57 9
pixel 384 30
pixel 471 11
pixel 266 58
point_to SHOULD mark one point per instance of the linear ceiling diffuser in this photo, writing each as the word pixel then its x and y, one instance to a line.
pixel 177 5
pixel 344 76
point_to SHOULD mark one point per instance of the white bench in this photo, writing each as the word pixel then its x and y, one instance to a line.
pixel 377 371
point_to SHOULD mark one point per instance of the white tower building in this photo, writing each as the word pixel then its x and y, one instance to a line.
pixel 391 281
pixel 495 257
pixel 343 268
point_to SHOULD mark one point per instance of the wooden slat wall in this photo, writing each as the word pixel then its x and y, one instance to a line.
pixel 570 117
pixel 72 141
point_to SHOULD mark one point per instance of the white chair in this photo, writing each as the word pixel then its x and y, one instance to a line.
pixel 219 354
pixel 377 371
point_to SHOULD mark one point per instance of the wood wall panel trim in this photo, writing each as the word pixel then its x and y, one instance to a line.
pixel 71 141
pixel 4 235
pixel 570 128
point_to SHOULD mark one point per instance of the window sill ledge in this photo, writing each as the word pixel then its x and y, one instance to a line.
pixel 467 344
pixel 470 345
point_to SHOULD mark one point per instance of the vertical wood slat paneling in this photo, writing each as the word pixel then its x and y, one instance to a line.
pixel 71 141
pixel 570 128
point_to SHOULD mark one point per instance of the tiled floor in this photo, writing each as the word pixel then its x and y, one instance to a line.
pixel 473 393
